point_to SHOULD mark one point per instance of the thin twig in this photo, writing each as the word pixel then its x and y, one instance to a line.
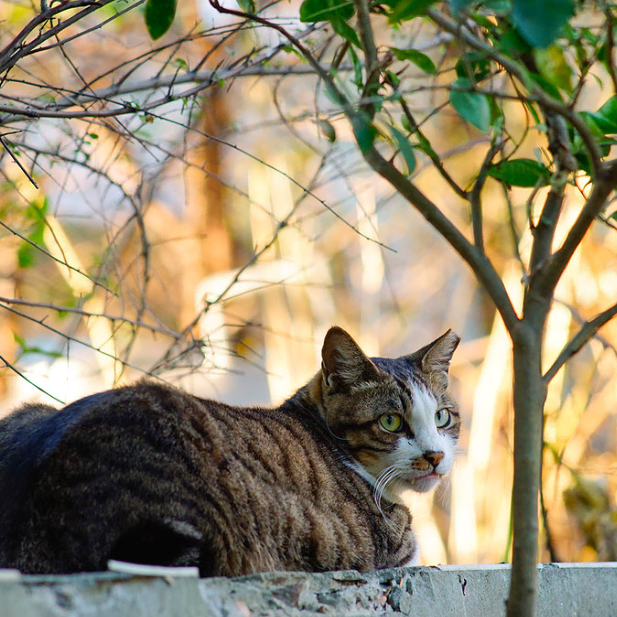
pixel 7 149
pixel 585 333
pixel 88 314
pixel 475 196
pixel 60 261
pixel 26 379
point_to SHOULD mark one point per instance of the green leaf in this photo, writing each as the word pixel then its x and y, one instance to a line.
pixel 422 61
pixel 405 149
pixel 342 28
pixel 28 251
pixel 471 106
pixel 25 255
pixel 545 85
pixel 393 78
pixel 598 124
pixel 513 43
pixel 408 9
pixel 497 116
pixel 159 16
pixel 540 21
pixel 312 11
pixel 425 146
pixel 520 172
pixel 458 6
pixel 608 113
pixel 327 130
pixel 473 64
pixel 364 132
pixel 248 6
pixel 25 348
pixel 553 67
pixel 357 68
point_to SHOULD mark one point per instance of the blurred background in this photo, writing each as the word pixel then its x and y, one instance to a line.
pixel 212 241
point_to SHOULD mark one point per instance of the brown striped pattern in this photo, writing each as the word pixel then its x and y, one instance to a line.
pixel 151 474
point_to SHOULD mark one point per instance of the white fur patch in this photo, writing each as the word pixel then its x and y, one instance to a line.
pixel 360 470
pixel 426 439
pixel 405 467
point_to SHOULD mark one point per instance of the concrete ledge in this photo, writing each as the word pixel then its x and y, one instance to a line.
pixel 566 590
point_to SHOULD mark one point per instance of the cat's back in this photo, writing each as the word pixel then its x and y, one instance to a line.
pixel 27 437
pixel 150 425
pixel 105 462
pixel 151 473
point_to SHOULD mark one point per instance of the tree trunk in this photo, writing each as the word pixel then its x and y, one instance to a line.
pixel 529 397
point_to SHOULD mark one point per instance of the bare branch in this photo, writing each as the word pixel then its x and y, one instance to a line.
pixel 475 198
pixel 27 380
pixel 16 50
pixel 478 262
pixel 60 261
pixel 58 308
pixel 68 337
pixel 587 331
pixel 603 185
pixel 7 149
pixel 544 230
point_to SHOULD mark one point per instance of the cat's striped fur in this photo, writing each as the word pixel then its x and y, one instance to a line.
pixel 151 474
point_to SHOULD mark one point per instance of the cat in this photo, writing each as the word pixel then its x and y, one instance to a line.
pixel 150 474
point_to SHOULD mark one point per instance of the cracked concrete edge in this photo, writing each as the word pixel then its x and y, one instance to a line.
pixel 565 590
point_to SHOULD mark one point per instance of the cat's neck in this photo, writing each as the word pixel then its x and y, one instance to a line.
pixel 308 399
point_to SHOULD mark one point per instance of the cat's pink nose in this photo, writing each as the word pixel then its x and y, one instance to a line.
pixel 434 458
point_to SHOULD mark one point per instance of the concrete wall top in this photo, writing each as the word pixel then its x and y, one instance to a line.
pixel 565 590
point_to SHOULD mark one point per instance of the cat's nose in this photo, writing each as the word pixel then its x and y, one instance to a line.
pixel 434 458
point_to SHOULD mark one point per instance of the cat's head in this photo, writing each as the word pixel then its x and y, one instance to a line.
pixel 396 415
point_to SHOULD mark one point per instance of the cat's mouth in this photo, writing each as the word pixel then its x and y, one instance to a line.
pixel 424 483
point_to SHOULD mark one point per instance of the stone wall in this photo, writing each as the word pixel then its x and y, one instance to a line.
pixel 566 590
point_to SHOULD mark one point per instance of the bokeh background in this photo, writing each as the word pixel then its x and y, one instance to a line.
pixel 213 241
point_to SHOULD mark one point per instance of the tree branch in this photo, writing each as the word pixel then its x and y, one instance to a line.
pixel 603 185
pixel 586 332
pixel 475 199
pixel 520 72
pixel 371 62
pixel 89 314
pixel 479 263
pixel 25 378
pixel 15 50
pixel 544 230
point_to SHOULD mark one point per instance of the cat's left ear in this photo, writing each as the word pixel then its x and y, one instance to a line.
pixel 344 364
pixel 434 359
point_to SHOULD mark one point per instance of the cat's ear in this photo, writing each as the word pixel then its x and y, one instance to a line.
pixel 434 359
pixel 344 364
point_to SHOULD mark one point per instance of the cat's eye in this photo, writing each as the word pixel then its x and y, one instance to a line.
pixel 443 418
pixel 392 422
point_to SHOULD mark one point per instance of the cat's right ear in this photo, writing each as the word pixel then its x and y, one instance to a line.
pixel 344 364
pixel 434 359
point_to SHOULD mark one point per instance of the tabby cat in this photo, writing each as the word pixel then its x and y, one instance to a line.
pixel 150 474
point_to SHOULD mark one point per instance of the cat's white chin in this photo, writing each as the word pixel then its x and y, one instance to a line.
pixel 424 483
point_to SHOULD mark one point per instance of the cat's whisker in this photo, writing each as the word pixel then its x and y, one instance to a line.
pixel 378 494
pixel 381 484
pixel 441 490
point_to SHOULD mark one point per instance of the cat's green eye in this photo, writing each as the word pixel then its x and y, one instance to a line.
pixel 442 418
pixel 392 422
